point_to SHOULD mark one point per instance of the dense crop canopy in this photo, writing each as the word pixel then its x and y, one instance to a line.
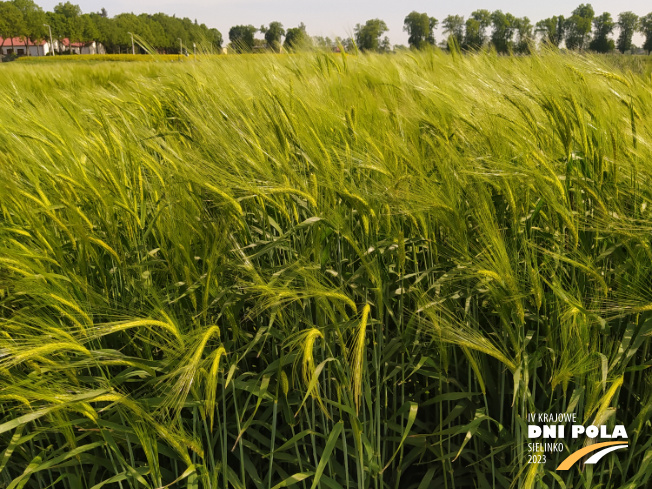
pixel 328 271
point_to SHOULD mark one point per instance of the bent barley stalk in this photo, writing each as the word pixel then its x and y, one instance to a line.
pixel 184 249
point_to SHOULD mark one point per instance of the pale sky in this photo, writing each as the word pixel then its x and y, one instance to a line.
pixel 338 17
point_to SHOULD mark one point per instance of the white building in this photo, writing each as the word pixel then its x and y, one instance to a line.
pixel 83 48
pixel 25 47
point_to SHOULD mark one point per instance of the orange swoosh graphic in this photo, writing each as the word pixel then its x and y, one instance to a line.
pixel 575 456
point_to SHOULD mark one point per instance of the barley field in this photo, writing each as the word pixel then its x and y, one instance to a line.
pixel 102 58
pixel 323 271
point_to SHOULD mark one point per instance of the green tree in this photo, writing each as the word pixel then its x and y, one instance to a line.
pixel 523 28
pixel 323 42
pixel 58 24
pixel 475 29
pixel 273 35
pixel 126 23
pixel 503 31
pixel 627 24
pixel 420 29
pixel 89 30
pixel 472 37
pixel 70 23
pixel 172 29
pixel 242 37
pixel 11 22
pixel 454 27
pixel 645 27
pixel 603 26
pixel 214 37
pixel 348 44
pixel 162 32
pixel 578 27
pixel 106 31
pixel 552 30
pixel 368 36
pixel 33 20
pixel 68 10
pixel 296 37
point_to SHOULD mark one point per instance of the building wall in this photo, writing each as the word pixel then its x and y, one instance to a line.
pixel 90 49
pixel 39 50
pixel 19 49
pixel 44 49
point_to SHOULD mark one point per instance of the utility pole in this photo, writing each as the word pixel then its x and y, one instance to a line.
pixel 180 47
pixel 133 49
pixel 51 44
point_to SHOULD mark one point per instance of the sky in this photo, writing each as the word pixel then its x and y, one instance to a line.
pixel 338 17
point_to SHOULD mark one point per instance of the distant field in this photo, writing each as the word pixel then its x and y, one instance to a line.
pixel 637 64
pixel 323 271
pixel 105 57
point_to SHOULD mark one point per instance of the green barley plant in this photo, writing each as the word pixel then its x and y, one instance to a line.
pixel 323 271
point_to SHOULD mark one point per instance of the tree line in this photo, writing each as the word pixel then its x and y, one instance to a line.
pixel 506 33
pixel 25 20
pixel 583 29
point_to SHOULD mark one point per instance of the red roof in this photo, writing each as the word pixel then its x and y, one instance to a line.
pixel 17 41
pixel 66 42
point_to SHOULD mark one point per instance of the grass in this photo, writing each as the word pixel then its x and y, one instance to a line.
pixel 322 271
